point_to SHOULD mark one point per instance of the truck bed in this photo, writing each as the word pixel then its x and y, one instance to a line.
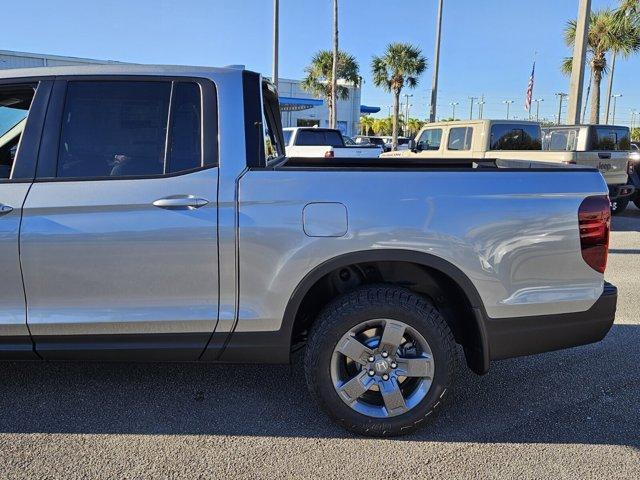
pixel 421 163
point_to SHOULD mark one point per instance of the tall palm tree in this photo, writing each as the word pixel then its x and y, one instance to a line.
pixel 319 78
pixel 400 66
pixel 606 34
pixel 414 125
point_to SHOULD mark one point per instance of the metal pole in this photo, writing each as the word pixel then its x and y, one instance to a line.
pixel 453 107
pixel 508 103
pixel 610 87
pixel 406 115
pixel 561 96
pixel 471 100
pixel 276 40
pixel 481 107
pixel 577 67
pixel 334 69
pixel 615 97
pixel 538 100
pixel 436 66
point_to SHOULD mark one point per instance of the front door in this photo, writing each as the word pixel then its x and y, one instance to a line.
pixel 119 233
pixel 22 108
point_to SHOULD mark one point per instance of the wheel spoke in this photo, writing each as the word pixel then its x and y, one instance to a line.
pixel 355 387
pixel 415 367
pixel 392 396
pixel 355 350
pixel 392 336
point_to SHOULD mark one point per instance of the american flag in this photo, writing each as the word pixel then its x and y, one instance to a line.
pixel 529 99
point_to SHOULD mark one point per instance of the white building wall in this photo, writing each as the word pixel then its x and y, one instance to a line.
pixel 348 110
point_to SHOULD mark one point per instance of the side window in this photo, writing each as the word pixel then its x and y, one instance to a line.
pixel 120 129
pixel 430 139
pixel 611 138
pixel 14 108
pixel 515 137
pixel 460 138
pixel 186 118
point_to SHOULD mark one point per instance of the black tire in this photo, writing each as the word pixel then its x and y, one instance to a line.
pixel 618 206
pixel 373 302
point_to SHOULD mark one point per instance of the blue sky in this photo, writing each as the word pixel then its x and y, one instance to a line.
pixel 487 45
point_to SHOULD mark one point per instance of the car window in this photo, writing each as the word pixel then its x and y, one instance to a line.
pixel 186 117
pixel 515 137
pixel 430 139
pixel 315 137
pixel 122 128
pixel 460 138
pixel 611 138
pixel 564 140
pixel 287 136
pixel 14 108
pixel 348 141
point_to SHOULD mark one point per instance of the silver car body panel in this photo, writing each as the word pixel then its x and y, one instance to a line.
pixel 94 252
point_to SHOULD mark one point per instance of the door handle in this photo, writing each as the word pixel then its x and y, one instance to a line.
pixel 181 202
pixel 604 156
pixel 4 209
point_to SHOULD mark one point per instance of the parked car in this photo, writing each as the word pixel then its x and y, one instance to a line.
pixel 371 140
pixel 522 140
pixel 605 146
pixel 403 143
pixel 323 142
pixel 150 214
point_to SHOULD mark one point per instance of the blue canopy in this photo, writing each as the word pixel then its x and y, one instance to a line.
pixel 289 104
pixel 366 109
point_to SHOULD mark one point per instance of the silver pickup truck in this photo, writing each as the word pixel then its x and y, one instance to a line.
pixel 150 214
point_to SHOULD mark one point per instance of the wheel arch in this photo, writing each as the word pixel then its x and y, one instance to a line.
pixel 477 355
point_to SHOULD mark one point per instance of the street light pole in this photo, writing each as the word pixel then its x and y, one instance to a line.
pixel 561 96
pixel 577 67
pixel 615 97
pixel 471 100
pixel 276 40
pixel 538 100
pixel 334 70
pixel 481 107
pixel 508 103
pixel 436 66
pixel 406 112
pixel 453 106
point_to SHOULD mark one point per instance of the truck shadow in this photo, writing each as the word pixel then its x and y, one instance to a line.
pixel 587 395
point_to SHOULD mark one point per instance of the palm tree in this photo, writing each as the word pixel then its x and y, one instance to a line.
pixel 414 125
pixel 400 66
pixel 606 34
pixel 320 77
pixel 366 124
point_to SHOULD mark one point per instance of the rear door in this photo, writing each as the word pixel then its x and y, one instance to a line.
pixel 22 109
pixel 608 151
pixel 119 233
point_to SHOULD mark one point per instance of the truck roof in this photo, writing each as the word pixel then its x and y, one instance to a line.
pixel 484 121
pixel 115 69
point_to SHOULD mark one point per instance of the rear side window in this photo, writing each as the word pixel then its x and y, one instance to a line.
pixel 15 102
pixel 515 137
pixel 564 140
pixel 611 138
pixel 123 129
pixel 460 138
pixel 319 138
pixel 430 139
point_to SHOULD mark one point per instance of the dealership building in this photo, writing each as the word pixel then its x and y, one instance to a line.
pixel 299 108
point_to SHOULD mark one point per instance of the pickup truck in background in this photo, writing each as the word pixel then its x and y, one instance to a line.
pixel 606 147
pixel 324 142
pixel 521 140
pixel 149 213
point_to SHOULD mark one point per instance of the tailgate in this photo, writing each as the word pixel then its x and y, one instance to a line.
pixel 612 165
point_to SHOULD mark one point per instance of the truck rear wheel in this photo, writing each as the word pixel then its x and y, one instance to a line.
pixel 618 206
pixel 380 360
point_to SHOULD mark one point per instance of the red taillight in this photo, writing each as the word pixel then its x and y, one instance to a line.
pixel 328 154
pixel 594 220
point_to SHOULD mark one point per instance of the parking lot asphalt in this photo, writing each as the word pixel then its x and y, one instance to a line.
pixel 567 414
